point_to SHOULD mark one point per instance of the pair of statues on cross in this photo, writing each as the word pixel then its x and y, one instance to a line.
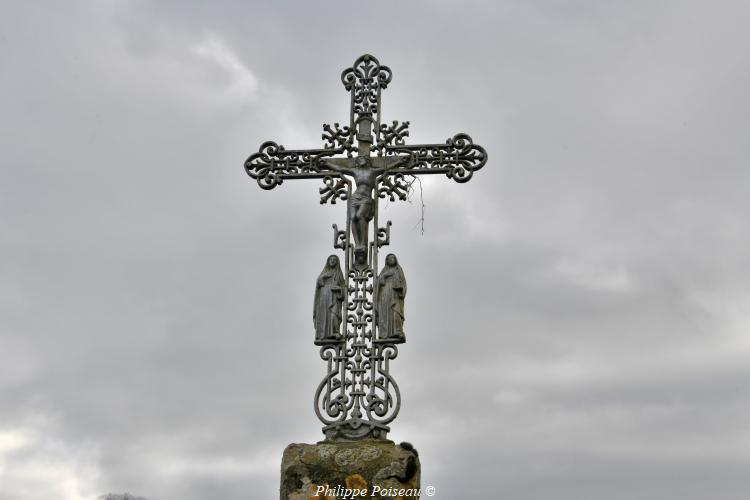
pixel 388 301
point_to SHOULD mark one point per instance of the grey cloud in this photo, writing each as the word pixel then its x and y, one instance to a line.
pixel 577 314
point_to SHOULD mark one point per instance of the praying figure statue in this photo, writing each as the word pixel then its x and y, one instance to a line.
pixel 330 295
pixel 389 301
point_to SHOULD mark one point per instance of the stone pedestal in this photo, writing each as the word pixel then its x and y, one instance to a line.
pixel 375 470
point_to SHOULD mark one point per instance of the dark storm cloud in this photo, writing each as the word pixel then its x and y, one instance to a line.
pixel 577 314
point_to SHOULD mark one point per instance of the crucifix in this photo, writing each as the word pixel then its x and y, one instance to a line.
pixel 361 163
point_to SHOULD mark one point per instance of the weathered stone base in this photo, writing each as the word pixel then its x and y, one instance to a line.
pixel 377 470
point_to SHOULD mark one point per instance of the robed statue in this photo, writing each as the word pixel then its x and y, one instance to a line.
pixel 330 295
pixel 389 301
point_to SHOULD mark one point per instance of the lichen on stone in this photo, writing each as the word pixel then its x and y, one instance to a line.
pixel 354 465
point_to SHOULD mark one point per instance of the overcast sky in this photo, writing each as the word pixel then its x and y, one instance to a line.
pixel 578 314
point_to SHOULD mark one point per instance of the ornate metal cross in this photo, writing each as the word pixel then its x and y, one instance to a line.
pixel 358 397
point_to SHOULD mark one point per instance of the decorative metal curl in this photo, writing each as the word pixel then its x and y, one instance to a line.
pixel 384 235
pixel 334 189
pixel 272 164
pixel 338 138
pixel 393 134
pixel 339 237
pixel 384 398
pixel 262 165
pixel 365 79
pixel 458 158
pixel 393 186
pixel 331 399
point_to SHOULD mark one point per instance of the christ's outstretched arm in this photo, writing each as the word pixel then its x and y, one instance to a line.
pixel 334 165
pixel 395 162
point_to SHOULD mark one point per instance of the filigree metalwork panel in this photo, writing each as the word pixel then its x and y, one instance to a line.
pixel 392 135
pixel 365 79
pixel 272 164
pixel 393 186
pixel 339 139
pixel 358 397
pixel 333 189
pixel 458 158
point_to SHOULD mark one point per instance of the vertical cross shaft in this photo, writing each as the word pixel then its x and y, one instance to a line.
pixel 364 136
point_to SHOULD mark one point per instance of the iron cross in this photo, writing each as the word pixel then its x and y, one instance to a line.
pixel 382 173
pixel 358 397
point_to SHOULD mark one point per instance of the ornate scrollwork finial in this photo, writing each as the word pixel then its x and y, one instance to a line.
pixel 365 79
